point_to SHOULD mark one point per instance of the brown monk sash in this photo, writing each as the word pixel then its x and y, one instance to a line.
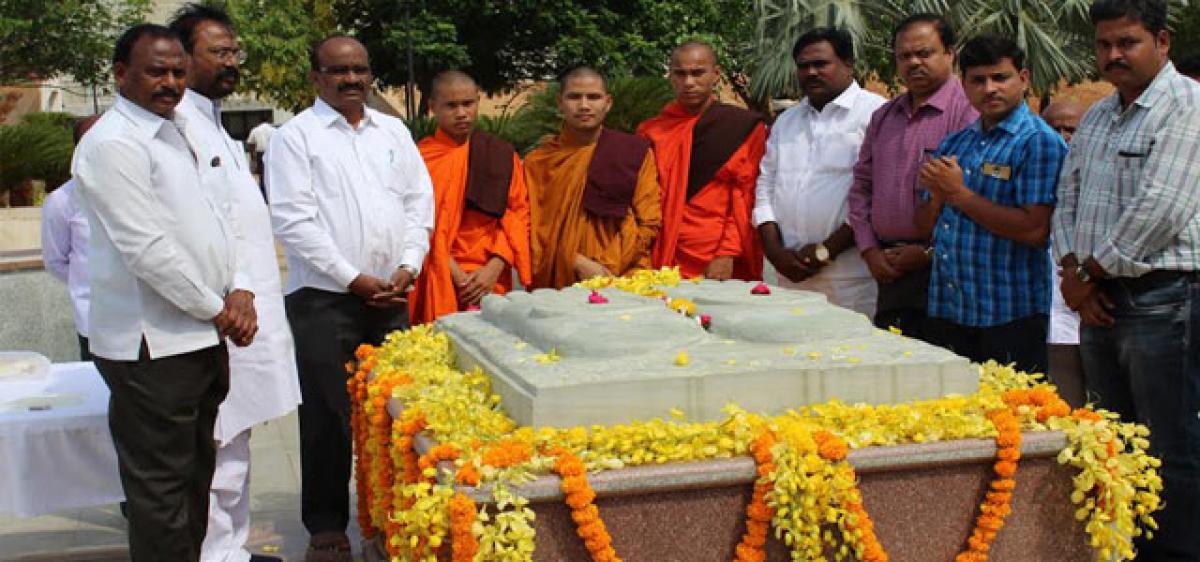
pixel 715 137
pixel 613 173
pixel 489 173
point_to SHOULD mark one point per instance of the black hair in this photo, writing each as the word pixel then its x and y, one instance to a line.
pixel 191 15
pixel 580 71
pixel 839 39
pixel 990 49
pixel 124 48
pixel 1189 65
pixel 1151 13
pixel 313 52
pixel 944 31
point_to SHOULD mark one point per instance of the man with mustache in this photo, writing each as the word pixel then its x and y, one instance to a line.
pixel 800 206
pixel 352 204
pixel 989 194
pixel 708 154
pixel 1127 233
pixel 166 291
pixel 593 191
pixel 263 383
pixel 481 205
pixel 902 133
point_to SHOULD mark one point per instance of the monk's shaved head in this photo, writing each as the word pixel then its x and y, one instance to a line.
pixel 695 45
pixel 581 72
pixel 450 78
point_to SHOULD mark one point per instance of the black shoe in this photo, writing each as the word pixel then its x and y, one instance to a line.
pixel 264 558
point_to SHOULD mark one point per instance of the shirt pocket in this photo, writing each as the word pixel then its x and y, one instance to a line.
pixel 1133 152
pixel 328 180
pixel 838 150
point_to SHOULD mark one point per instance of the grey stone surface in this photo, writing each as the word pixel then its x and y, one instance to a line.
pixel 37 315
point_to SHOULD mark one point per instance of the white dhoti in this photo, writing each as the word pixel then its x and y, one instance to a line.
pixel 846 283
pixel 229 504
pixel 263 384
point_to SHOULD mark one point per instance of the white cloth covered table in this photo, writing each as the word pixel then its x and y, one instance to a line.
pixel 62 458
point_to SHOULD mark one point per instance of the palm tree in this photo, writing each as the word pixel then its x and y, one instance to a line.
pixel 1055 34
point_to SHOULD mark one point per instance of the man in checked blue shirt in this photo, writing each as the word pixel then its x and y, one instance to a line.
pixel 990 194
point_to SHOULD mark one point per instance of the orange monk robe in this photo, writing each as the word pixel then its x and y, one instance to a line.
pixel 557 174
pixel 464 233
pixel 713 218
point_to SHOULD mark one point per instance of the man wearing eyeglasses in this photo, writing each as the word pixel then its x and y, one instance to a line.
pixel 352 204
pixel 262 380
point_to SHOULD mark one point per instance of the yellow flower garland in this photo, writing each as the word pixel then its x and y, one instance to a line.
pixel 1117 488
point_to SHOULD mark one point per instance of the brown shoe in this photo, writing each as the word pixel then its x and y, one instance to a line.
pixel 329 546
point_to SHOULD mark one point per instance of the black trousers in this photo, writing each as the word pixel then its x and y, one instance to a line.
pixel 85 351
pixel 327 327
pixel 161 413
pixel 1022 341
pixel 902 304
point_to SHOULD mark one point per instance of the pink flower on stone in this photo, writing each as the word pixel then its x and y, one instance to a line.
pixel 473 308
pixel 705 321
pixel 597 298
pixel 760 289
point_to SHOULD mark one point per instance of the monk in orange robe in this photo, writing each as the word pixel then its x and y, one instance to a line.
pixel 708 155
pixel 481 207
pixel 593 192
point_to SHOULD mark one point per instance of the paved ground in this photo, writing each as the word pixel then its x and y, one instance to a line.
pixel 98 534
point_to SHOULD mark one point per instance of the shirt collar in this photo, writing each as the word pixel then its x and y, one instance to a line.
pixel 1012 124
pixel 211 109
pixel 146 122
pixel 844 100
pixel 941 100
pixel 330 116
pixel 1159 87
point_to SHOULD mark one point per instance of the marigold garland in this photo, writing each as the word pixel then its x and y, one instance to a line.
pixel 1116 488
pixel 758 513
pixel 584 512
pixel 463 544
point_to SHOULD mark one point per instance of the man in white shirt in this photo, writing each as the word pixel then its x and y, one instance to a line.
pixel 1065 367
pixel 352 204
pixel 262 376
pixel 800 203
pixel 64 244
pixel 165 294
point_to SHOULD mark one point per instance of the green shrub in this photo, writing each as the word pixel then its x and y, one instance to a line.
pixel 37 150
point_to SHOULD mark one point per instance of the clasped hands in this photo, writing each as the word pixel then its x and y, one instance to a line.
pixel 472 287
pixel 238 320
pixel 797 265
pixel 1088 299
pixel 383 294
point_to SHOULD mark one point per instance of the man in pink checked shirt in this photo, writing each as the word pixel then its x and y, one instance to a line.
pixel 883 199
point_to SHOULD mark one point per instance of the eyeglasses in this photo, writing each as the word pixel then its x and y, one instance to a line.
pixel 346 70
pixel 223 53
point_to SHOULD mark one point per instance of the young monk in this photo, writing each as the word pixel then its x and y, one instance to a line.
pixel 708 155
pixel 593 192
pixel 481 206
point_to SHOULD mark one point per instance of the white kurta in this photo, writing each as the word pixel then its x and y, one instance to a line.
pixel 263 383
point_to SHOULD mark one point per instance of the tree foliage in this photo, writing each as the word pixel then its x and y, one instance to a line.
pixel 39 148
pixel 1055 34
pixel 276 35
pixel 40 39
pixel 502 44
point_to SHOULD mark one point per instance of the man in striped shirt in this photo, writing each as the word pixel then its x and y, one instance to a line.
pixel 990 194
pixel 1127 233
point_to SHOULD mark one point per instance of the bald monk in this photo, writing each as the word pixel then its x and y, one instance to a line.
pixel 593 192
pixel 708 155
pixel 481 230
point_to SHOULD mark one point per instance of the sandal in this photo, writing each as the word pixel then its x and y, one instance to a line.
pixel 329 546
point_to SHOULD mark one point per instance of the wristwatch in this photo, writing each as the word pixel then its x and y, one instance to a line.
pixel 1081 273
pixel 412 271
pixel 821 253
